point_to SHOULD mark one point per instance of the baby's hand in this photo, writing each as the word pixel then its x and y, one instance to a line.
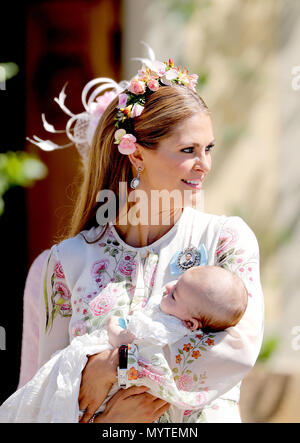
pixel 117 334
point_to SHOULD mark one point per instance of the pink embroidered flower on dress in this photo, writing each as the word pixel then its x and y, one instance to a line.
pixel 62 290
pixel 98 272
pixel 78 328
pixel 58 270
pixel 226 241
pixel 126 266
pixel 62 298
pixel 99 266
pixel 102 303
pixel 185 382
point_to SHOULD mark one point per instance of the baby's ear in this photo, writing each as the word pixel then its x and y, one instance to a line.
pixel 192 324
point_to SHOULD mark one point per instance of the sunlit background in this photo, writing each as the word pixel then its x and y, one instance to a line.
pixel 246 53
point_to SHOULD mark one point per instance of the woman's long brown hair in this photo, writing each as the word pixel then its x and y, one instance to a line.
pixel 106 166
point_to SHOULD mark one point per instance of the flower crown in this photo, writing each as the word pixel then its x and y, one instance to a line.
pixel 149 78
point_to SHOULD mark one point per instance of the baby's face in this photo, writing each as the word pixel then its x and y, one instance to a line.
pixel 177 300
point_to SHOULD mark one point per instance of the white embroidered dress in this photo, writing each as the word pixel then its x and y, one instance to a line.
pixel 83 284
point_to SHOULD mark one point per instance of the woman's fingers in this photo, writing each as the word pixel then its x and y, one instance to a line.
pixel 125 393
pixel 159 412
pixel 159 403
pixel 88 414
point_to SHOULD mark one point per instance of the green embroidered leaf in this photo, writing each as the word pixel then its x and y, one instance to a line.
pixel 190 361
pixel 188 371
pixel 193 340
pixel 107 249
pixel 61 301
pixel 176 377
pixel 180 351
pixel 114 252
pixel 195 378
pixel 202 348
pixel 131 360
pixel 175 370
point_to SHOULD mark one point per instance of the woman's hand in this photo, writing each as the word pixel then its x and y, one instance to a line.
pixel 133 405
pixel 97 379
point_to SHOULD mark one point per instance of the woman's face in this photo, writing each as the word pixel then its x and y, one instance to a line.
pixel 184 156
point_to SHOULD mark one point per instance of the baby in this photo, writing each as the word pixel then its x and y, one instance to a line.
pixel 210 298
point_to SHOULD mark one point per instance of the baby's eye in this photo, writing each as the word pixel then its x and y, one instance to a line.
pixel 173 296
pixel 209 148
pixel 190 149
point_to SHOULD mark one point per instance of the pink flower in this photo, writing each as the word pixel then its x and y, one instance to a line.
pixel 62 290
pixel 226 240
pixel 170 75
pixel 185 382
pixel 102 102
pixel 143 75
pixel 59 270
pixel 187 412
pixel 97 272
pixel 158 67
pixel 99 266
pixel 101 304
pixel 78 328
pixel 153 84
pixel 122 100
pixel 136 86
pixel 193 79
pixel 65 309
pixel 126 267
pixel 136 110
pixel 119 134
pixel 127 144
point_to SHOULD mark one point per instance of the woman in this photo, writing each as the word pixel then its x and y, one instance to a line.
pixel 164 144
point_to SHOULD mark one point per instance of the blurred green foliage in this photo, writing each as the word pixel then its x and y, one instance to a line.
pixel 269 345
pixel 184 9
pixel 19 169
